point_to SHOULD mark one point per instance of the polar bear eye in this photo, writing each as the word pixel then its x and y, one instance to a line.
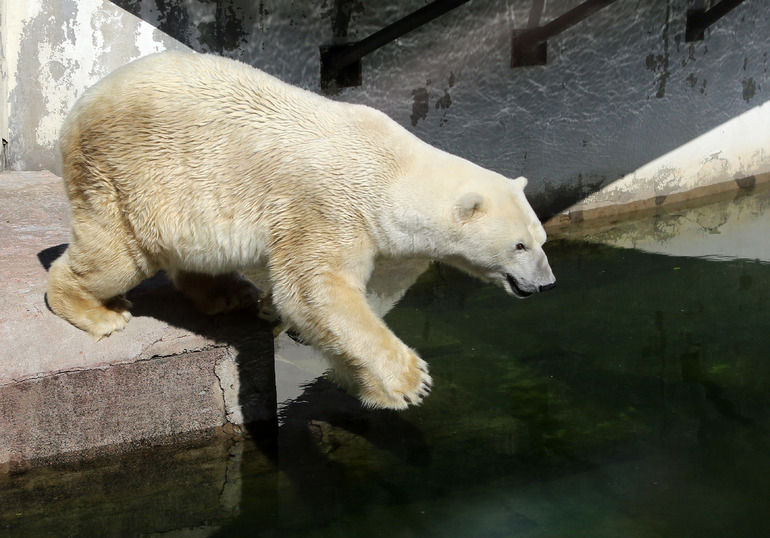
pixel 520 246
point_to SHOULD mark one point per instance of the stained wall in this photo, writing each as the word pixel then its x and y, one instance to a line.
pixel 621 97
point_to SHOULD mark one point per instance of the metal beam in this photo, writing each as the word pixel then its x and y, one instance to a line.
pixel 529 45
pixel 341 64
pixel 534 13
pixel 698 20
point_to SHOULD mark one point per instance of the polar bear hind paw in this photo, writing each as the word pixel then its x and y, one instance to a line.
pixel 267 310
pixel 110 318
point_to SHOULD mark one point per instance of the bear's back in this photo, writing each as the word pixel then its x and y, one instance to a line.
pixel 191 149
pixel 191 111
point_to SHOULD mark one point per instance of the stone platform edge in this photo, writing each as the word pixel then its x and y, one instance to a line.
pixel 172 376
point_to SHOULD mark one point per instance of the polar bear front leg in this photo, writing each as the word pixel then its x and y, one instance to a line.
pixel 332 312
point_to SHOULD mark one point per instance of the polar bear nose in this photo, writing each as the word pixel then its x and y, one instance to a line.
pixel 547 287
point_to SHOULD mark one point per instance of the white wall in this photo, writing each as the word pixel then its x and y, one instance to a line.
pixel 52 51
pixel 735 150
pixel 621 90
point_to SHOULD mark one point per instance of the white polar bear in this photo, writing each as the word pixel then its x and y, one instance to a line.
pixel 203 167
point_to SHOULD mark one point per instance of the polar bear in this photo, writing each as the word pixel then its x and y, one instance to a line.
pixel 203 167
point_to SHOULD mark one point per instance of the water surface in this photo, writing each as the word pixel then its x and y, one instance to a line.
pixel 632 400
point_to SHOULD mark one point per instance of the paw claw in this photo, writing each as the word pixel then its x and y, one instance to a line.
pixel 403 383
pixel 267 310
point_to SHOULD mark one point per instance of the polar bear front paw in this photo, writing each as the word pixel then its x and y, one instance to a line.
pixel 403 384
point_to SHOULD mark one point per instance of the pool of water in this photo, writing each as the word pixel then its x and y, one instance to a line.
pixel 632 400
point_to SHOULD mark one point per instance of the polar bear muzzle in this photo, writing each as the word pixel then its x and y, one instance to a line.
pixel 517 289
pixel 521 293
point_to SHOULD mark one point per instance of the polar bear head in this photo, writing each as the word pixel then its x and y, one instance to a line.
pixel 498 238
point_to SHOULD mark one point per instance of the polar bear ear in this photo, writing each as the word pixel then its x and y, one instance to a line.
pixel 520 182
pixel 468 205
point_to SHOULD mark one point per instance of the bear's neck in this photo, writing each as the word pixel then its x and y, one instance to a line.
pixel 408 232
pixel 414 224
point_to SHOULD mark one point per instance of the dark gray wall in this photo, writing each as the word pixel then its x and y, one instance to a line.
pixel 620 88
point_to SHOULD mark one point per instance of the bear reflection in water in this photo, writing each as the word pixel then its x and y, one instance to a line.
pixel 205 167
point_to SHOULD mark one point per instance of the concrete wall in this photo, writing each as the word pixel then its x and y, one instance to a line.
pixel 51 51
pixel 731 226
pixel 731 156
pixel 621 89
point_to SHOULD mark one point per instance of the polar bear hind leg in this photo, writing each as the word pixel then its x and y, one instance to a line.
pixel 91 295
pixel 222 293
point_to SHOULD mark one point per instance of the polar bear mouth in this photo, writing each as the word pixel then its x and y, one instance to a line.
pixel 517 290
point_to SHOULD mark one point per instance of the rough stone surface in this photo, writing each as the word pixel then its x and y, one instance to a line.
pixel 77 411
pixel 160 491
pixel 60 392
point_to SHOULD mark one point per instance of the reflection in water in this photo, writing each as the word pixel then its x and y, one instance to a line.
pixel 632 401
pixel 727 229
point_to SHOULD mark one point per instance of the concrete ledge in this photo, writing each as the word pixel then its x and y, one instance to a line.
pixel 171 374
pixel 585 214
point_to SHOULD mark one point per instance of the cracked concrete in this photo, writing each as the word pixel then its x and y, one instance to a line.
pixel 226 370
pixel 171 374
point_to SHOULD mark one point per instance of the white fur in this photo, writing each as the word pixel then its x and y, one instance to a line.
pixel 202 166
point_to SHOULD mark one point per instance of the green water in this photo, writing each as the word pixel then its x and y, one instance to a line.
pixel 632 400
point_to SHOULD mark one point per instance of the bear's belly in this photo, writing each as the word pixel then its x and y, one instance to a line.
pixel 213 249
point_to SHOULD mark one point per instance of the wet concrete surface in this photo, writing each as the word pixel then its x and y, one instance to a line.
pixel 728 223
pixel 733 225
